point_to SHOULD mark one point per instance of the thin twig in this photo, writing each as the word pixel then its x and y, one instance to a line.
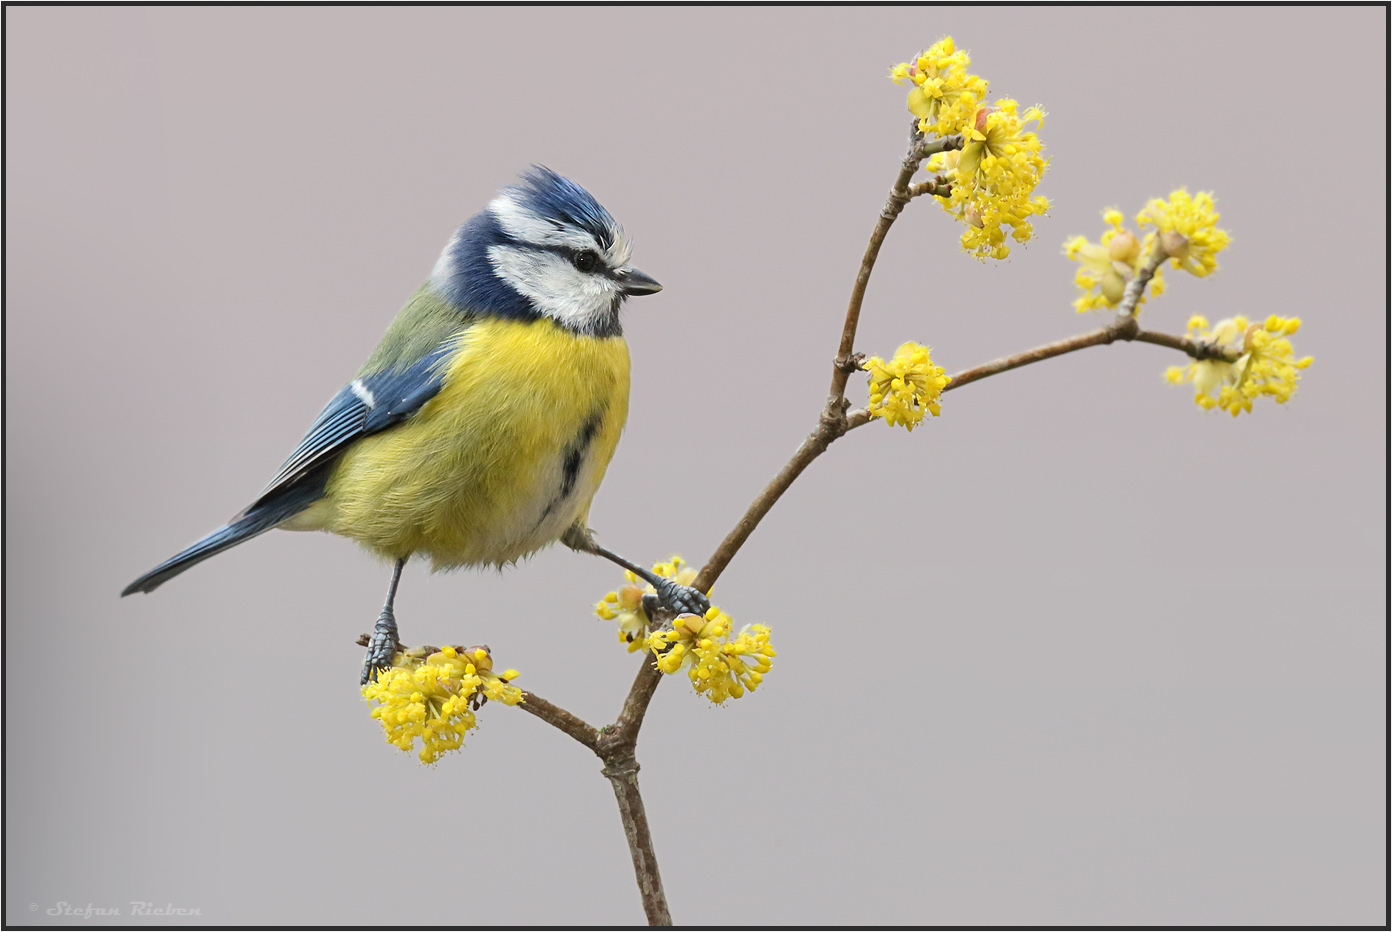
pixel 615 746
pixel 1198 349
pixel 815 444
pixel 833 422
pixel 623 776
pixel 558 717
pixel 623 734
pixel 919 149
pixel 938 185
pixel 1124 328
pixel 1131 297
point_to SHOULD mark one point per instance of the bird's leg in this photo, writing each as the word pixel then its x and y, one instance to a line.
pixel 383 644
pixel 672 595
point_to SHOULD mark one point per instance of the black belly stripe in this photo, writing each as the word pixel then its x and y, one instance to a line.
pixel 574 457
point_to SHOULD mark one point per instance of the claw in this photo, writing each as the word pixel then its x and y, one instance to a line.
pixel 381 647
pixel 681 599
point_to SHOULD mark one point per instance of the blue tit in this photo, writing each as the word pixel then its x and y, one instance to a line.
pixel 479 429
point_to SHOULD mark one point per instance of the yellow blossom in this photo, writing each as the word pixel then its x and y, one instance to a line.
pixel 719 666
pixel 994 177
pixel 433 695
pixel 942 95
pixel 1188 230
pixel 625 605
pixel 1105 268
pixel 906 387
pixel 1266 365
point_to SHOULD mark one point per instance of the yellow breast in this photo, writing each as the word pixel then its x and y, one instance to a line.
pixel 501 462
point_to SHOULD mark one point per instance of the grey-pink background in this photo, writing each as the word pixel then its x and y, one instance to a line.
pixel 1075 652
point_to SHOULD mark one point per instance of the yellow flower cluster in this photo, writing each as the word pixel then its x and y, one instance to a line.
pixel 1188 228
pixel 625 605
pixel 432 695
pixel 994 177
pixel 906 387
pixel 1267 365
pixel 943 95
pixel 995 173
pixel 1105 268
pixel 720 667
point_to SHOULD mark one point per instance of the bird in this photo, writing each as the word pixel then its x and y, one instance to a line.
pixel 480 428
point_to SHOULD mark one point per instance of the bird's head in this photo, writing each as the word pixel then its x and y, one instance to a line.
pixel 542 248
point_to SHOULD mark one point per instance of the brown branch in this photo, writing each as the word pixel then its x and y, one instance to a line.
pixel 899 195
pixel 1131 297
pixel 832 423
pixel 939 185
pixel 558 717
pixel 1199 349
pixel 922 148
pixel 1123 328
pixel 615 746
pixel 815 444
pixel 617 743
pixel 623 776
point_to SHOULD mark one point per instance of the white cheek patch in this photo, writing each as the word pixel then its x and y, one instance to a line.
pixel 555 287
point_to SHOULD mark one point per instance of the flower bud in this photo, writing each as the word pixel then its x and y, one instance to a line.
pixel 1227 330
pixel 974 217
pixel 1124 247
pixel 1175 244
pixel 1113 287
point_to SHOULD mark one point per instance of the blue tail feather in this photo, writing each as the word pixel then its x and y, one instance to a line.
pixel 256 521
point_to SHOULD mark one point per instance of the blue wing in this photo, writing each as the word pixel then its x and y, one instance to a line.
pixel 365 406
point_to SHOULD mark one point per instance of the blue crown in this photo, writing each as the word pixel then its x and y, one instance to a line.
pixel 558 198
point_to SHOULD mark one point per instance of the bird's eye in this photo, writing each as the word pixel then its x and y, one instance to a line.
pixel 586 261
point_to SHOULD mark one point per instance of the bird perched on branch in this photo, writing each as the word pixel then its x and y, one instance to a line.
pixel 480 427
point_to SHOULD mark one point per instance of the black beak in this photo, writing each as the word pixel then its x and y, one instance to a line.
pixel 633 282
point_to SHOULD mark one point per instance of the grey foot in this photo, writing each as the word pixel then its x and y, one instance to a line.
pixel 680 599
pixel 381 647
